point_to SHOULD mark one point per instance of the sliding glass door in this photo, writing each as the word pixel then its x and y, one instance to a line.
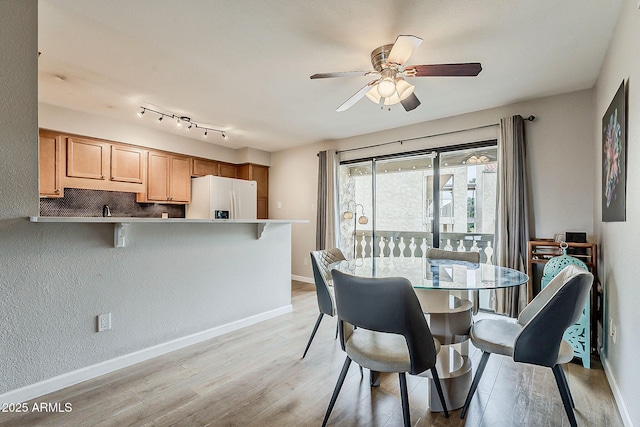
pixel 398 206
pixel 467 189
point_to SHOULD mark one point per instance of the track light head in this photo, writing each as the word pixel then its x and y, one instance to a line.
pixel 224 136
pixel 205 132
pixel 160 118
pixel 140 113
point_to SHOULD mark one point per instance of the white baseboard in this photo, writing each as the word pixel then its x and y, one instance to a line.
pixel 50 385
pixel 302 279
pixel 622 408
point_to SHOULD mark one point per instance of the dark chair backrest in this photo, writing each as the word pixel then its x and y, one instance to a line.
pixel 320 261
pixel 386 305
pixel 434 253
pixel 558 306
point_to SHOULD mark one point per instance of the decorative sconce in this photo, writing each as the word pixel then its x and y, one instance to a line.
pixel 348 215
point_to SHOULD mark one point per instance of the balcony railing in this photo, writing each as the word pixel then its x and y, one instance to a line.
pixel 414 244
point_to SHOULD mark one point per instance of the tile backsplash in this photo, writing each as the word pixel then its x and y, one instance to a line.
pixel 89 203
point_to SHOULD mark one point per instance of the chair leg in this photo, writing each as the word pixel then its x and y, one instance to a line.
pixel 436 381
pixel 474 384
pixel 406 415
pixel 565 394
pixel 566 386
pixel 313 334
pixel 336 390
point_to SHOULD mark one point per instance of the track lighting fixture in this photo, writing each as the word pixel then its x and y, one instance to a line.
pixel 181 121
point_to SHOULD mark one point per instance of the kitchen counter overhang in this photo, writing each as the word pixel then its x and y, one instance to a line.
pixel 121 224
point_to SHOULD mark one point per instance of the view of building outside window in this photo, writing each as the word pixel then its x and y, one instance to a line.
pixel 405 201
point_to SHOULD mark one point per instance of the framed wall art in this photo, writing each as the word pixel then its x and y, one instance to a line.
pixel 614 167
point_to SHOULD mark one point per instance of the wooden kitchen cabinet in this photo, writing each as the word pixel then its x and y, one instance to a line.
pixel 202 167
pixel 95 164
pixel 228 170
pixel 88 159
pixel 127 164
pixel 50 165
pixel 168 178
pixel 260 174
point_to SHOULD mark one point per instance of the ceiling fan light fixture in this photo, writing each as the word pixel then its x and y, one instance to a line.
pixel 392 100
pixel 373 94
pixel 387 84
pixel 404 88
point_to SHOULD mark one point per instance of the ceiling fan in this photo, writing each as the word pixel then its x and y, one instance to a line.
pixel 390 87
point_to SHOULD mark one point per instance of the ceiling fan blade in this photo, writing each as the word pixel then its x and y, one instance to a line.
pixel 343 74
pixel 469 69
pixel 356 97
pixel 403 48
pixel 411 102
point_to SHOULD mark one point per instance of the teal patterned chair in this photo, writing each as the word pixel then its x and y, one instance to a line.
pixel 578 335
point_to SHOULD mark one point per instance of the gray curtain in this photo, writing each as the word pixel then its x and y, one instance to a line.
pixel 512 234
pixel 326 223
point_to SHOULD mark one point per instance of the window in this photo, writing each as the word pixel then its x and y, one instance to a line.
pixel 401 205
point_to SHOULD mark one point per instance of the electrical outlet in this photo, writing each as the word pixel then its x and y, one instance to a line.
pixel 614 333
pixel 612 330
pixel 104 322
pixel 305 261
pixel 279 205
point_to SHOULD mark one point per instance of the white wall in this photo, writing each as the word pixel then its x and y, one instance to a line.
pixel 171 281
pixel 87 124
pixel 560 157
pixel 619 269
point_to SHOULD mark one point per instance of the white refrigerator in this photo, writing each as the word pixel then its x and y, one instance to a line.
pixel 216 197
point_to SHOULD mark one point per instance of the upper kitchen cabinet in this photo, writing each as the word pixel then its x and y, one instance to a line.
pixel 260 174
pixel 202 167
pixel 168 179
pixel 87 159
pixel 100 165
pixel 127 164
pixel 228 170
pixel 51 165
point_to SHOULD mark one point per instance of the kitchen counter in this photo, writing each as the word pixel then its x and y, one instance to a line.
pixel 122 223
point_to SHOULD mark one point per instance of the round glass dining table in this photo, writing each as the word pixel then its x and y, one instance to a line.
pixel 444 288
pixel 435 274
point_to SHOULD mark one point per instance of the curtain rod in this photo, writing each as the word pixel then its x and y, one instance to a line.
pixel 530 118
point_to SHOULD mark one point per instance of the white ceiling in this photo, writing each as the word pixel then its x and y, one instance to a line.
pixel 244 65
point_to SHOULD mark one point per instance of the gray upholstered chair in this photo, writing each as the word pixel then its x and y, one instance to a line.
pixel 320 261
pixel 536 337
pixel 383 329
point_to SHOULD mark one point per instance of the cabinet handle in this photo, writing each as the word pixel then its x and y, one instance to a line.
pixel 102 177
pixel 57 191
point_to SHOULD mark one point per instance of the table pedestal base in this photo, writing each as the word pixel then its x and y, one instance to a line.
pixel 455 383
pixel 450 319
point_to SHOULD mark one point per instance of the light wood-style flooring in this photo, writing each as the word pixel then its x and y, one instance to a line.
pixel 256 377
